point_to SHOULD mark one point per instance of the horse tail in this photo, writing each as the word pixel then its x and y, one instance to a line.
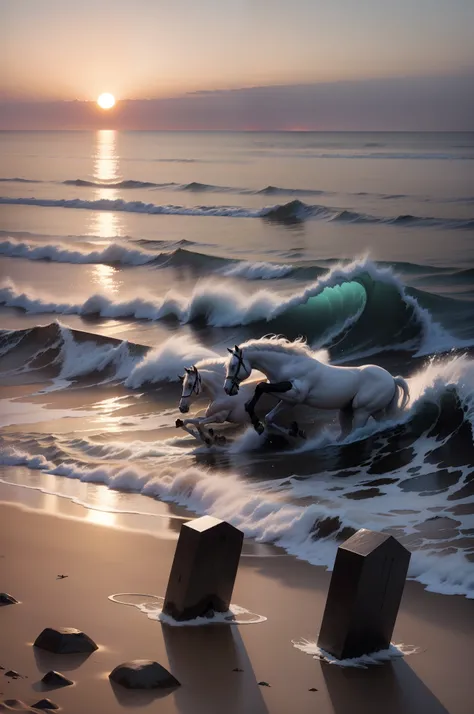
pixel 401 383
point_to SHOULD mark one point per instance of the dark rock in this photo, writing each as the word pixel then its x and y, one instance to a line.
pixel 6 599
pixel 56 679
pixel 14 675
pixel 45 704
pixel 263 684
pixel 143 674
pixel 65 640
pixel 313 689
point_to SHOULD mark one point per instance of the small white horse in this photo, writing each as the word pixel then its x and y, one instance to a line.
pixel 206 377
pixel 298 377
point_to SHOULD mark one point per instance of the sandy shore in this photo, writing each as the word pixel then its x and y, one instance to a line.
pixel 101 560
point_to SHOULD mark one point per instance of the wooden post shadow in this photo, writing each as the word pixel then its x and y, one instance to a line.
pixel 364 595
pixel 204 568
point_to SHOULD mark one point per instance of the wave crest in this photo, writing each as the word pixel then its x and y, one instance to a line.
pixel 292 212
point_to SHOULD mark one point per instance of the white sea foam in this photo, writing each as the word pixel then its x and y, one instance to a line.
pixel 81 358
pixel 362 662
pixel 235 615
pixel 58 253
pixel 167 361
pixel 258 271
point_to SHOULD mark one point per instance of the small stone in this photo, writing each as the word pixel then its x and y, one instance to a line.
pixel 6 599
pixel 45 704
pixel 14 675
pixel 263 684
pixel 313 689
pixel 56 679
pixel 143 674
pixel 65 640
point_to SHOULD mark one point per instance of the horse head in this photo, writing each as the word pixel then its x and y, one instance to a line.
pixel 191 382
pixel 238 369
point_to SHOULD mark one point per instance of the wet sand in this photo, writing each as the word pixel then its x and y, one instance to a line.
pixel 101 560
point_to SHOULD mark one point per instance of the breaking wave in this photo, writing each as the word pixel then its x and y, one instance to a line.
pixel 120 254
pixel 113 253
pixel 355 309
pixel 292 212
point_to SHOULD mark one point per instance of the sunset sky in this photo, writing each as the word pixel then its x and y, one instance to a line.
pixel 321 58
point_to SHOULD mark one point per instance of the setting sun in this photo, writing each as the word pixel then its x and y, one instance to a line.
pixel 106 101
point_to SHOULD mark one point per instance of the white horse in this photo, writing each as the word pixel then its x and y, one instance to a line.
pixel 298 377
pixel 206 377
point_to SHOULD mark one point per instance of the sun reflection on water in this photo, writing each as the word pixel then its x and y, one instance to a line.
pixel 101 518
pixel 104 277
pixel 106 224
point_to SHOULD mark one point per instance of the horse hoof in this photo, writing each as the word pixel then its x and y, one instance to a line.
pixel 293 430
pixel 211 431
pixel 179 423
pixel 208 442
pixel 259 428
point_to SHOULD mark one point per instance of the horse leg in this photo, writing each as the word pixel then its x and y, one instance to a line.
pixel 217 418
pixel 264 388
pixel 270 417
pixel 293 431
pixel 346 417
pixel 191 432
pixel 361 417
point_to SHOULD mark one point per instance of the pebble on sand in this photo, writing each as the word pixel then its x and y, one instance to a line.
pixel 65 640
pixel 143 674
pixel 45 704
pixel 56 679
pixel 6 599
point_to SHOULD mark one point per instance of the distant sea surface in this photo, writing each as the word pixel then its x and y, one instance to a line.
pixel 126 256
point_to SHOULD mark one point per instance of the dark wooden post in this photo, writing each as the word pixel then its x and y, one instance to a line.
pixel 204 568
pixel 364 595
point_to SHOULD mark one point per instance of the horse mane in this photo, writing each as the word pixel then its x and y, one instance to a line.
pixel 276 343
pixel 210 362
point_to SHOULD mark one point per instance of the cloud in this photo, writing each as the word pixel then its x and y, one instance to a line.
pixel 411 104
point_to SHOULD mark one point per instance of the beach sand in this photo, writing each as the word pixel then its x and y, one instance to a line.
pixel 100 560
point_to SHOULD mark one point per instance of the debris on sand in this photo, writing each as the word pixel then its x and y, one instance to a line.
pixel 13 675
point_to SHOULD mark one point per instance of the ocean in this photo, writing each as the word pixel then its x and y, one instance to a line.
pixel 128 256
